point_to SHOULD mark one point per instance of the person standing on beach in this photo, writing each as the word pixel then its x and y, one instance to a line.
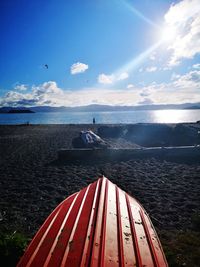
pixel 94 121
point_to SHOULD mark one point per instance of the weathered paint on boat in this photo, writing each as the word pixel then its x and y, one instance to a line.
pixel 99 226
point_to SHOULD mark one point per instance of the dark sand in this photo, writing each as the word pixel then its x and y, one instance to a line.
pixel 33 182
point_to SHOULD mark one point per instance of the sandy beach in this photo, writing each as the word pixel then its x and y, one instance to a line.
pixel 33 182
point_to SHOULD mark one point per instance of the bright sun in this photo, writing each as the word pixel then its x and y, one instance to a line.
pixel 168 34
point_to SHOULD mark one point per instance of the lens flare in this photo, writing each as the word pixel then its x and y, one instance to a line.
pixel 168 34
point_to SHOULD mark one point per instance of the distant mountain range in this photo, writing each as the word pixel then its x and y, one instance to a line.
pixel 93 108
pixel 20 111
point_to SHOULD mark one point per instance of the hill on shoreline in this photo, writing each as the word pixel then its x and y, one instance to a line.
pixel 97 108
pixel 12 110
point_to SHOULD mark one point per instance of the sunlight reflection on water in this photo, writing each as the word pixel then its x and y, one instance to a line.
pixel 172 116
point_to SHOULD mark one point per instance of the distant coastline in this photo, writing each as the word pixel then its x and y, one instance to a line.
pixel 98 108
pixel 11 110
pixel 20 111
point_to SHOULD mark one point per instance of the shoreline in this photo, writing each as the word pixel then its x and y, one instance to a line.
pixel 102 124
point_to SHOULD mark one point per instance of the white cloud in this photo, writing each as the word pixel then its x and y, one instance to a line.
pixel 196 66
pixel 184 19
pixel 166 68
pixel 47 93
pixel 188 80
pixel 152 57
pixel 174 76
pixel 110 79
pixel 123 76
pixel 106 79
pixel 21 87
pixel 130 85
pixel 146 101
pixel 146 91
pixel 151 69
pixel 182 89
pixel 78 68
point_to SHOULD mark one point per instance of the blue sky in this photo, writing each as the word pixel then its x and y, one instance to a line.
pixel 116 52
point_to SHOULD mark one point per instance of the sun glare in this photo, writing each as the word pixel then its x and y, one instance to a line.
pixel 168 34
pixel 170 116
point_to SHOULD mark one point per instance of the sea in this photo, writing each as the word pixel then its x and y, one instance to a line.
pixel 117 117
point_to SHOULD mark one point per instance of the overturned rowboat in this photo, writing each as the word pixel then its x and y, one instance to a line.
pixel 99 226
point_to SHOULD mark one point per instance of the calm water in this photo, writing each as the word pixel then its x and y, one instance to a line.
pixel 153 116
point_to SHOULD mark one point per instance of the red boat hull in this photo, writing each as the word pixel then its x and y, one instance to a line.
pixel 99 226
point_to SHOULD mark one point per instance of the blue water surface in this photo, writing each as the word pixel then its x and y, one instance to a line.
pixel 145 116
